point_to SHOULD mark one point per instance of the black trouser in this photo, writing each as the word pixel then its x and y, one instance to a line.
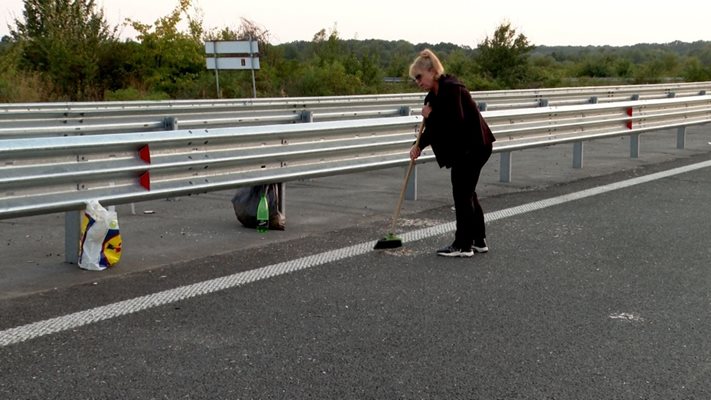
pixel 470 215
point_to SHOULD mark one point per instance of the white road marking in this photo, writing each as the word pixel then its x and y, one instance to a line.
pixel 627 317
pixel 75 320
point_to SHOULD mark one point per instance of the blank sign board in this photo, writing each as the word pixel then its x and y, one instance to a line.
pixel 227 47
pixel 232 63
pixel 232 54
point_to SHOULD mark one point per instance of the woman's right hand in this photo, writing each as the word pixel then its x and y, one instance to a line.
pixel 426 110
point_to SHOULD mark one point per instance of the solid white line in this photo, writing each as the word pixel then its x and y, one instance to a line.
pixel 72 321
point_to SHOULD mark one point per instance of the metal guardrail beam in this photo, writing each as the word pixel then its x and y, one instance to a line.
pixel 54 174
pixel 63 119
pixel 526 128
pixel 44 175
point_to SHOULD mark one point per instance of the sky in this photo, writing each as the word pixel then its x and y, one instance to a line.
pixel 462 22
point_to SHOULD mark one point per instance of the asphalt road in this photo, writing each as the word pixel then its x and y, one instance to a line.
pixel 596 287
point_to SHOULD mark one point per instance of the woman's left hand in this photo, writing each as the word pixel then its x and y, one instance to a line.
pixel 415 152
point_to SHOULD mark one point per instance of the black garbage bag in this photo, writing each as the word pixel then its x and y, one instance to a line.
pixel 246 200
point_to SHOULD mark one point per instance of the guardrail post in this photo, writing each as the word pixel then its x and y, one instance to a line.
pixel 307 116
pixel 411 189
pixel 170 123
pixel 505 167
pixel 578 154
pixel 482 106
pixel 281 199
pixel 411 185
pixel 634 145
pixel 634 97
pixel 593 100
pixel 681 137
pixel 543 103
pixel 72 228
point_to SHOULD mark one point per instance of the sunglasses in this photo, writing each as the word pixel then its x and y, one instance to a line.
pixel 418 77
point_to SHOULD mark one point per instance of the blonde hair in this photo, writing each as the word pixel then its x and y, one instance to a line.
pixel 427 61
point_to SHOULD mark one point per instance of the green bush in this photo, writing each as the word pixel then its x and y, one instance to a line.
pixel 132 93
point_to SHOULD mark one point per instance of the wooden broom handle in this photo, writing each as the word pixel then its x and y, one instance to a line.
pixel 396 215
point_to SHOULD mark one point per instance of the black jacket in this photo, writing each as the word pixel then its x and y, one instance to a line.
pixel 455 127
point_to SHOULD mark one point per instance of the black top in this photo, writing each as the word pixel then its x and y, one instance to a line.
pixel 455 127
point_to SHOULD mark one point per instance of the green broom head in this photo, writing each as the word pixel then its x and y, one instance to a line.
pixel 388 242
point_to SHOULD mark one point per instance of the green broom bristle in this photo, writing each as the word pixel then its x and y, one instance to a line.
pixel 390 241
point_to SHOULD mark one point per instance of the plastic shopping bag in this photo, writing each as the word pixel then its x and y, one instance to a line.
pixel 100 243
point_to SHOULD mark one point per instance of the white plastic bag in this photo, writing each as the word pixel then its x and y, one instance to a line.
pixel 100 242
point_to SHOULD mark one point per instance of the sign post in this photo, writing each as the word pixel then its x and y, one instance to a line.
pixel 232 55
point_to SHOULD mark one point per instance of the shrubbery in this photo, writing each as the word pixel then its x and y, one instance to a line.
pixel 82 59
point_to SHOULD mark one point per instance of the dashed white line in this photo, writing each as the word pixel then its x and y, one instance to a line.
pixel 72 321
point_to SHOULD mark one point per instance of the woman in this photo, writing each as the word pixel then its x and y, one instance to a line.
pixel 461 140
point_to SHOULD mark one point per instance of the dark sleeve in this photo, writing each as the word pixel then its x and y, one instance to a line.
pixel 426 134
pixel 450 111
pixel 447 116
pixel 424 139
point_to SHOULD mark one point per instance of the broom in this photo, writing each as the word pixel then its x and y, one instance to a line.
pixel 390 241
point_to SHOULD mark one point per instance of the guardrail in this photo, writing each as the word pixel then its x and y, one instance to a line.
pixel 44 175
pixel 63 119
pixel 500 99
pixel 55 174
pixel 529 128
pixel 52 174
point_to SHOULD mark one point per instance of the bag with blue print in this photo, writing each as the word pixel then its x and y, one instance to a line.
pixel 100 241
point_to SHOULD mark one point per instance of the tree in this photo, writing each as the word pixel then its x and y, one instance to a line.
pixel 330 69
pixel 65 41
pixel 171 61
pixel 662 64
pixel 327 48
pixel 460 64
pixel 504 57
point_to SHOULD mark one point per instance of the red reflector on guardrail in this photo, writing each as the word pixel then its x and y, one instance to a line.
pixel 145 180
pixel 145 154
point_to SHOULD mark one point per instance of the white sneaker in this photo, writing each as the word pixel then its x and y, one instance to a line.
pixel 451 251
pixel 480 246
